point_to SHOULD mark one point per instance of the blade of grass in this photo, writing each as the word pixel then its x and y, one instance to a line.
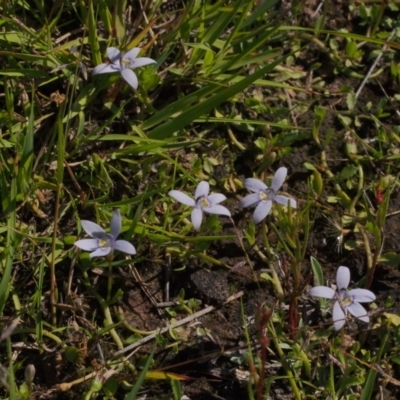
pixel 118 21
pixel 9 204
pixel 368 389
pixel 59 176
pixel 92 30
pixel 259 11
pixel 132 395
pixel 215 31
pixel 167 129
pixel 25 170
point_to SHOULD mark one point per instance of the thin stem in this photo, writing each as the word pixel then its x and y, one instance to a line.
pixel 342 339
pixel 245 253
pixel 331 381
pixel 109 278
pixel 286 366
pixel 60 173
pixel 343 196
pixel 359 189
pixel 234 140
pixel 106 310
pixel 11 377
pixel 275 277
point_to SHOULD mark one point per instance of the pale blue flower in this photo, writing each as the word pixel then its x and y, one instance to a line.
pixel 123 64
pixel 346 300
pixel 104 243
pixel 263 196
pixel 202 202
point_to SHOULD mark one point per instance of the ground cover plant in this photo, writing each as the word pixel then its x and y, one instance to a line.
pixel 199 199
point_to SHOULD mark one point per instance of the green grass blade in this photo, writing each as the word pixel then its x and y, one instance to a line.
pixel 176 389
pixel 178 106
pixel 368 389
pixel 167 129
pixel 27 153
pixel 261 10
pixel 9 251
pixel 132 395
pixel 92 29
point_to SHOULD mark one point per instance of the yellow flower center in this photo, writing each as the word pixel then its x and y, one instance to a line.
pixel 346 301
pixel 105 242
pixel 266 195
pixel 204 203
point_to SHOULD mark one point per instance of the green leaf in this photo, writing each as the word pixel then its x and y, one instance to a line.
pixel 351 49
pixel 351 100
pixel 391 259
pixel 317 182
pixel 317 272
pixel 393 319
pixel 347 172
pixel 71 353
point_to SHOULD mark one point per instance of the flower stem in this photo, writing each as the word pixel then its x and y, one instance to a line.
pixel 275 277
pixel 109 278
pixel 106 310
pixel 239 236
pixel 291 377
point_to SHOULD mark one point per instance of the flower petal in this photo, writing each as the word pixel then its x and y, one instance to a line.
pixel 93 229
pixel 339 317
pixel 113 54
pixel 322 291
pixel 217 209
pixel 202 190
pixel 100 252
pixel 141 62
pixel 125 247
pixel 131 54
pixel 254 185
pixel 279 178
pixel 197 217
pixel 216 198
pixel 250 200
pixel 358 311
pixel 130 77
pixel 261 211
pixel 105 69
pixel 283 200
pixel 342 278
pixel 361 295
pixel 182 198
pixel 87 244
pixel 116 223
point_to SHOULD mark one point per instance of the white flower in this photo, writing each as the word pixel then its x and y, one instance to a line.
pixel 123 64
pixel 203 202
pixel 346 300
pixel 104 243
pixel 263 196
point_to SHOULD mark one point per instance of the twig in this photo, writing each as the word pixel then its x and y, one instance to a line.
pixel 167 275
pixel 364 81
pixel 174 303
pixel 175 325
pixel 318 8
pixel 290 106
pixel 143 285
